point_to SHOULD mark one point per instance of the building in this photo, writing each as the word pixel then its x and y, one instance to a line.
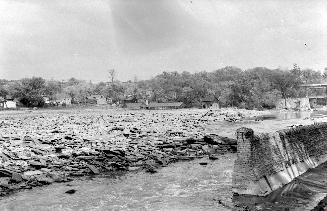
pixel 315 98
pixel 210 102
pixel 207 102
pixel 8 103
pixel 316 94
pixel 2 102
pixel 160 106
pixel 64 101
pixel 98 99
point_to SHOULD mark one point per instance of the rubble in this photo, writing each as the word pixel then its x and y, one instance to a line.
pixel 41 147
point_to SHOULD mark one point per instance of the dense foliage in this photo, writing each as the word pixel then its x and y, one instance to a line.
pixel 230 86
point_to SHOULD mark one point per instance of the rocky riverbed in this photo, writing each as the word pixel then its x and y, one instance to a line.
pixel 41 147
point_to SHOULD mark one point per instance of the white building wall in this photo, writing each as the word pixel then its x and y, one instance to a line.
pixel 10 104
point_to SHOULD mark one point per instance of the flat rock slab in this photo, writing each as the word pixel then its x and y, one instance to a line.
pixel 32 173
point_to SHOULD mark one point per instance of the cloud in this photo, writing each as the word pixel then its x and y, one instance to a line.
pixel 69 38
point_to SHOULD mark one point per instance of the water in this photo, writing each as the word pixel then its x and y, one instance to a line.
pixel 303 193
pixel 180 186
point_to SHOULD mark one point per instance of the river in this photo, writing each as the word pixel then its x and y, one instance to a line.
pixel 200 184
pixel 180 186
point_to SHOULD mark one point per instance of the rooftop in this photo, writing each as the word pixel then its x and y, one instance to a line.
pixel 313 85
pixel 169 104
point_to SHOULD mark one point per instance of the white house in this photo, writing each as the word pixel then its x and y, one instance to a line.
pixel 9 102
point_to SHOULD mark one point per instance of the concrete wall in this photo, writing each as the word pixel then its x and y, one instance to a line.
pixel 268 161
pixel 294 103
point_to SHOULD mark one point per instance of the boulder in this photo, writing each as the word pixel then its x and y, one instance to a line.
pixel 44 180
pixel 93 169
pixel 16 177
pixel 71 191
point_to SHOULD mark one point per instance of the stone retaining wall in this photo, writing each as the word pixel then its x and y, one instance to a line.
pixel 268 161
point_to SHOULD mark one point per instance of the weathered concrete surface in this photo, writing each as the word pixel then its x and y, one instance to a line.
pixel 267 161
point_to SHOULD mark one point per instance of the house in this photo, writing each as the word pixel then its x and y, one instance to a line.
pixel 9 103
pixel 98 99
pixel 159 106
pixel 64 101
pixel 2 102
pixel 206 102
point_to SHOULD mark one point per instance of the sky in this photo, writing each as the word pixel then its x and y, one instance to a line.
pixel 60 39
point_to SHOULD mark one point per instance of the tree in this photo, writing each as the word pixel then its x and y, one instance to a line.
pixel 285 83
pixel 112 75
pixel 52 89
pixel 3 91
pixel 30 91
pixel 324 75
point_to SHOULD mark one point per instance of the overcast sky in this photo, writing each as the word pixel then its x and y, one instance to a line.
pixel 60 39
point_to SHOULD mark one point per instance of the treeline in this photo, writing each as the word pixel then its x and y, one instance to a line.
pixel 230 86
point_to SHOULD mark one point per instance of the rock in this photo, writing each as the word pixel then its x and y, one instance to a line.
pixel 203 163
pixel 71 191
pixel 118 166
pixel 59 149
pixel 151 169
pixel 44 180
pixel 5 173
pixel 64 156
pixel 134 168
pixel 190 141
pixel 209 139
pixel 32 173
pixel 4 182
pixel 206 148
pixel 83 157
pixel 16 177
pixel 55 131
pixel 37 165
pixel 37 151
pixel 212 157
pixel 114 152
pixel 46 170
pixel 93 169
pixel 28 139
pixel 57 178
pixel 195 146
pixel 69 138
